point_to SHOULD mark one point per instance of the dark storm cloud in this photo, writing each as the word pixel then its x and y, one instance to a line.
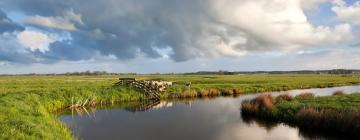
pixel 7 25
pixel 141 26
pixel 129 28
pixel 78 48
pixel 132 28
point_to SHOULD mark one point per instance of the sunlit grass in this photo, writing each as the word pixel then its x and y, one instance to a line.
pixel 28 103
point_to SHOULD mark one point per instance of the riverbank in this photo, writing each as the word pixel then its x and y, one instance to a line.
pixel 234 85
pixel 338 114
pixel 28 103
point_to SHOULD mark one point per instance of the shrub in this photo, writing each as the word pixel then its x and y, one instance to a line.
pixel 249 107
pixel 260 103
pixel 203 93
pixel 284 97
pixel 266 101
pixel 338 93
pixel 214 92
pixel 186 94
pixel 208 93
pixel 236 91
pixel 227 92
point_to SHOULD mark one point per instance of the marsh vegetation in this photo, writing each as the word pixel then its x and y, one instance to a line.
pixel 337 114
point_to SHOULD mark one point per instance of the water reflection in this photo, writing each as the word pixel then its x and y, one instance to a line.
pixel 200 119
pixel 152 104
pixel 241 131
pixel 90 112
pixel 270 126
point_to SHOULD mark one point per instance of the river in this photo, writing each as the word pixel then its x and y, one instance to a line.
pixel 200 119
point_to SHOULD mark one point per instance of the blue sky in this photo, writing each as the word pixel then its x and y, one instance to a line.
pixel 51 36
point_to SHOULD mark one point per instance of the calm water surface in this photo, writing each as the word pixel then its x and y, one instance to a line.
pixel 202 119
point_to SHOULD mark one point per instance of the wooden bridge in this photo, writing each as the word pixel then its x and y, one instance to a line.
pixel 150 88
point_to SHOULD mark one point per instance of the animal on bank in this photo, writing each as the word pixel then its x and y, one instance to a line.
pixel 157 85
pixel 188 84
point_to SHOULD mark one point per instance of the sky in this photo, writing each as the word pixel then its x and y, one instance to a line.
pixel 142 36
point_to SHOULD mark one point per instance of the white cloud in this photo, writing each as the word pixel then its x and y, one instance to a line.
pixel 311 4
pixel 280 23
pixel 343 11
pixel 67 22
pixel 219 46
pixel 34 40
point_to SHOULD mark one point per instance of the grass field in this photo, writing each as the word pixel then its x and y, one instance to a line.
pixel 28 103
pixel 339 113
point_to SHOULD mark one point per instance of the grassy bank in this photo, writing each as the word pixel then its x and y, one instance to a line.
pixel 28 103
pixel 339 113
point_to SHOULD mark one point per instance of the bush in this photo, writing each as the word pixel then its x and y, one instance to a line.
pixel 284 97
pixel 338 93
pixel 236 92
pixel 260 103
pixel 227 92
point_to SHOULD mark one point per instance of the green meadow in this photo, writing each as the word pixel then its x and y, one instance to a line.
pixel 28 104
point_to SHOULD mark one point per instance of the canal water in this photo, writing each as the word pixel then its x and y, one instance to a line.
pixel 201 119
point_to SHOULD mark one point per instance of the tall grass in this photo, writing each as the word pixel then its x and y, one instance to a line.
pixel 26 112
pixel 338 121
